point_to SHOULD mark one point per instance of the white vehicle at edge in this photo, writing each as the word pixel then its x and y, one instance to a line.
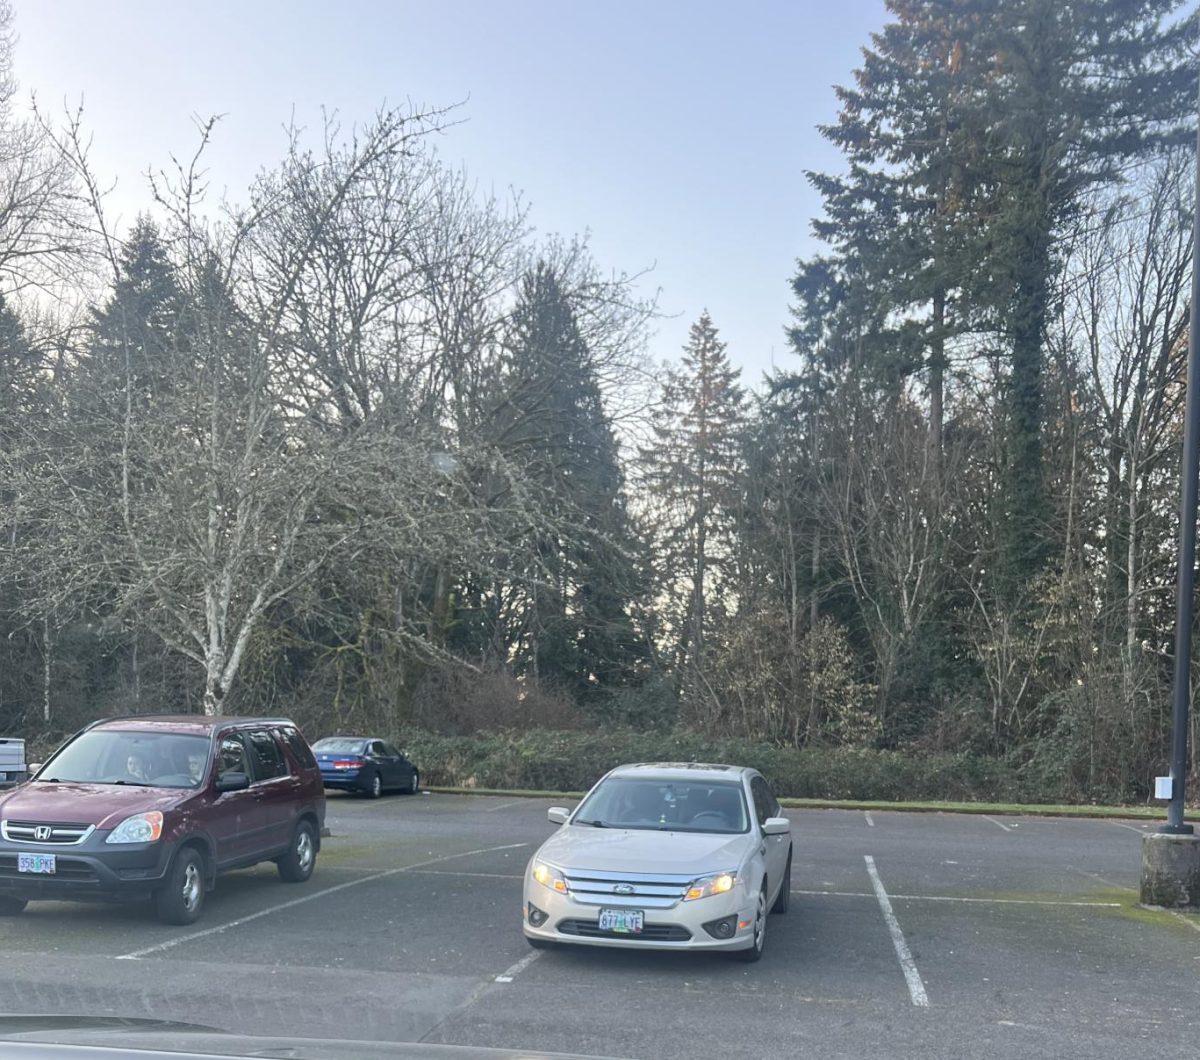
pixel 663 856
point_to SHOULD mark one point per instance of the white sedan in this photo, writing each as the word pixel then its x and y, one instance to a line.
pixel 663 856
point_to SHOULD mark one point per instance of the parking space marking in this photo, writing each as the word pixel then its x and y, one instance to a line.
pixel 504 806
pixel 916 988
pixel 480 875
pixel 1131 827
pixel 998 824
pixel 171 943
pixel 870 819
pixel 509 974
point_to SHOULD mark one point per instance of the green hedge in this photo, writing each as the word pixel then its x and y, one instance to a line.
pixel 572 761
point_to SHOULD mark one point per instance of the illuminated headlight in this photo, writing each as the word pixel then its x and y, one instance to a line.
pixel 548 876
pixel 706 886
pixel 141 828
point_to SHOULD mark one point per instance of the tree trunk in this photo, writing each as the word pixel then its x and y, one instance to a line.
pixel 47 651
pixel 937 381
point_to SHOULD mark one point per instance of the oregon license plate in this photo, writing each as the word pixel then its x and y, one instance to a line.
pixel 39 863
pixel 622 921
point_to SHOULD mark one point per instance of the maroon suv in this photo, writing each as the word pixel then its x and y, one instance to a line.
pixel 154 806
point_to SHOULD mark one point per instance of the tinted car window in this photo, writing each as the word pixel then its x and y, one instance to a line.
pixel 764 802
pixel 300 748
pixel 389 749
pixel 268 759
pixel 377 748
pixel 233 755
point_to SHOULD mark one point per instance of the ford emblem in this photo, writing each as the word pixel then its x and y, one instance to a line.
pixel 622 888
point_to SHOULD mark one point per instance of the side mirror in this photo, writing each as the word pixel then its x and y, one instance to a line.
pixel 33 767
pixel 776 826
pixel 233 781
pixel 558 814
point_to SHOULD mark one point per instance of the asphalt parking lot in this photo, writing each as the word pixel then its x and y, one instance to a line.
pixel 929 935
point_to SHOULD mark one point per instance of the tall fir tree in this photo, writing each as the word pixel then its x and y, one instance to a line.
pixel 691 478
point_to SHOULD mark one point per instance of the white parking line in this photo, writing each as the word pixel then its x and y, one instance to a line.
pixel 503 806
pixel 509 974
pixel 1131 827
pixel 870 819
pixel 916 989
pixel 481 875
pixel 171 943
pixel 998 824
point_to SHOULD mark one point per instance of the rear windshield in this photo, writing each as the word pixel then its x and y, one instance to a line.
pixel 688 806
pixel 340 745
pixel 119 756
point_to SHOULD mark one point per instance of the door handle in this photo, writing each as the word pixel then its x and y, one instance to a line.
pixel 762 849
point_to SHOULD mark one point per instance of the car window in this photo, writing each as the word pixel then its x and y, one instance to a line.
pixel 268 759
pixel 377 748
pixel 300 748
pixel 391 750
pixel 666 805
pixel 764 801
pixel 233 755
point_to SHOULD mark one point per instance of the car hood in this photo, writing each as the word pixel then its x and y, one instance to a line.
pixel 643 850
pixel 103 805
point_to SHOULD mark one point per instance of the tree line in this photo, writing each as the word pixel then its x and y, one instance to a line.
pixel 364 450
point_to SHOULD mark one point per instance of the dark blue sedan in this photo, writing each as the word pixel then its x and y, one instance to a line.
pixel 365 764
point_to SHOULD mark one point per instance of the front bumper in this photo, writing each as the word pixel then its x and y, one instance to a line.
pixel 91 871
pixel 571 921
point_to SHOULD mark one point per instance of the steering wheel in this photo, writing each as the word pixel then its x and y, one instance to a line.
pixel 714 814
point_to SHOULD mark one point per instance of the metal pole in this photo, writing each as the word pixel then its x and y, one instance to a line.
pixel 1187 541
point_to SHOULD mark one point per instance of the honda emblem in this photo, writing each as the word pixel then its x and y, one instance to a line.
pixel 42 832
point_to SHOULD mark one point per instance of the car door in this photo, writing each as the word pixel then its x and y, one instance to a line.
pixel 774 847
pixel 234 819
pixel 404 768
pixel 277 789
pixel 383 762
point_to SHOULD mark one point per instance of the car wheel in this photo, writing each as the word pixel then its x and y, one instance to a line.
pixel 415 783
pixel 12 906
pixel 754 951
pixel 784 897
pixel 375 787
pixel 298 863
pixel 181 898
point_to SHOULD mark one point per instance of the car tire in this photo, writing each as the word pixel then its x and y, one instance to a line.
pixel 754 951
pixel 414 785
pixel 12 906
pixel 180 899
pixel 375 787
pixel 784 897
pixel 297 865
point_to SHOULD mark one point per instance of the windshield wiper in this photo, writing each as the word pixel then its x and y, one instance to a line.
pixel 49 780
pixel 133 783
pixel 594 824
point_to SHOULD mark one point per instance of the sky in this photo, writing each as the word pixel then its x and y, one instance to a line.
pixel 676 134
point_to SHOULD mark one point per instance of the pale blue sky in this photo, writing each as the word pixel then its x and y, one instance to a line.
pixel 677 133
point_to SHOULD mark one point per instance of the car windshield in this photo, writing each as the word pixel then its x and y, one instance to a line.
pixel 340 745
pixel 121 756
pixel 665 805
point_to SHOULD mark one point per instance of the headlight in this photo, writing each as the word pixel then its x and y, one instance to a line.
pixel 140 828
pixel 721 883
pixel 550 877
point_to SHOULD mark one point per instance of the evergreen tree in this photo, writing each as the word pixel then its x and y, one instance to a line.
pixel 691 478
pixel 577 625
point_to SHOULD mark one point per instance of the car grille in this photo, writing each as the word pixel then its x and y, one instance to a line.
pixel 59 834
pixel 65 869
pixel 590 929
pixel 640 890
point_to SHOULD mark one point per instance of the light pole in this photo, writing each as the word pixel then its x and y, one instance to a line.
pixel 1187 544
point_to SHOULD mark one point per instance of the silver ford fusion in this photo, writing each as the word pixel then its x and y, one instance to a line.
pixel 664 856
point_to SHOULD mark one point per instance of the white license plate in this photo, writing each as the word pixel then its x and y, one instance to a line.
pixel 39 863
pixel 622 921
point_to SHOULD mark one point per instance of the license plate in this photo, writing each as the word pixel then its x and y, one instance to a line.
pixel 622 921
pixel 40 863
